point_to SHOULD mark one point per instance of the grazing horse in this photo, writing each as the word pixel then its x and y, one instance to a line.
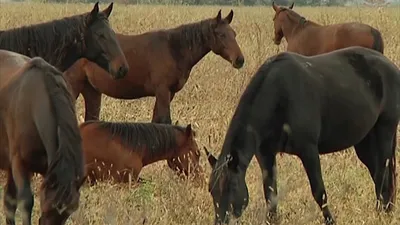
pixel 309 38
pixel 39 133
pixel 350 96
pixel 118 150
pixel 160 63
pixel 61 42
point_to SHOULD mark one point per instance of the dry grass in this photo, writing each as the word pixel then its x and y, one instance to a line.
pixel 208 101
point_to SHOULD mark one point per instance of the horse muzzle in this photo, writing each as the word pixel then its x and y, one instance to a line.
pixel 238 63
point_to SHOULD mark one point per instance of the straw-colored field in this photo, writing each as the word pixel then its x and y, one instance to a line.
pixel 208 101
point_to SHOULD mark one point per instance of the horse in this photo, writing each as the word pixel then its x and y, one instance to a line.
pixel 119 150
pixel 63 41
pixel 307 106
pixel 160 63
pixel 39 133
pixel 309 38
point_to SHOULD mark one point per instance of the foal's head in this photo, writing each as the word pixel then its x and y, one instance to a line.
pixel 279 21
pixel 224 43
pixel 187 157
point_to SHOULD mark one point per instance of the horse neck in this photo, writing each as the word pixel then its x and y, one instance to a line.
pixel 294 25
pixel 191 43
pixel 238 139
pixel 149 157
pixel 29 41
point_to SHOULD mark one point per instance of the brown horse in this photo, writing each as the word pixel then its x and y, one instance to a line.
pixel 118 150
pixel 38 134
pixel 63 41
pixel 309 38
pixel 160 63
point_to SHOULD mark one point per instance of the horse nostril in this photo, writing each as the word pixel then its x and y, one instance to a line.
pixel 239 61
pixel 122 71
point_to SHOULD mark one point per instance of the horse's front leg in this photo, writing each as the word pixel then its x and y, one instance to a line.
pixel 92 102
pixel 23 186
pixel 267 162
pixel 309 156
pixel 161 112
pixel 10 199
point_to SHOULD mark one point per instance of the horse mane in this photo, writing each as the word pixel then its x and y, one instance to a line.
pixel 191 35
pixel 157 138
pixel 51 40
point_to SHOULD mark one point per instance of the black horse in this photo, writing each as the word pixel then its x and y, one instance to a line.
pixel 306 106
pixel 63 41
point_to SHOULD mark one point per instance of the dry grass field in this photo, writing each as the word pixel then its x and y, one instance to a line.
pixel 208 101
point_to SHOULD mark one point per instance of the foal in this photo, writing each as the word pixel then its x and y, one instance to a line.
pixel 117 150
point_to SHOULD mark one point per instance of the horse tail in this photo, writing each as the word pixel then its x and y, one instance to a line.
pixel 65 165
pixel 378 41
pixel 392 167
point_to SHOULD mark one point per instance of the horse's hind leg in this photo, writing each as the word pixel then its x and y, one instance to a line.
pixel 309 156
pixel 10 200
pixel 385 131
pixel 24 192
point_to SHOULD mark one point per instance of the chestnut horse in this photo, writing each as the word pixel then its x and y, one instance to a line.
pixel 117 150
pixel 39 133
pixel 61 42
pixel 160 63
pixel 309 38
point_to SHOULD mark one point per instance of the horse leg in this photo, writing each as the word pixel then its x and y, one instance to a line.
pixel 267 161
pixel 10 199
pixel 310 158
pixel 383 173
pixel 92 102
pixel 24 192
pixel 161 112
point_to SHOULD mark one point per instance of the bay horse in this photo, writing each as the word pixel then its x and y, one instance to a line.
pixel 39 133
pixel 118 150
pixel 309 38
pixel 160 63
pixel 306 106
pixel 63 41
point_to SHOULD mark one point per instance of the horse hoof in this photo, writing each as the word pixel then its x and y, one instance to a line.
pixel 272 217
pixel 330 221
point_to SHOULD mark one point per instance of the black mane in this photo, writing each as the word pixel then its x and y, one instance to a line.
pixel 155 137
pixel 54 41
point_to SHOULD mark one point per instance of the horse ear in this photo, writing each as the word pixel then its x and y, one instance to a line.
pixel 291 6
pixel 211 159
pixel 93 13
pixel 229 17
pixel 275 7
pixel 188 130
pixel 108 10
pixel 218 18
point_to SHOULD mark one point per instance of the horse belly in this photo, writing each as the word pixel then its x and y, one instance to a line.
pixel 345 129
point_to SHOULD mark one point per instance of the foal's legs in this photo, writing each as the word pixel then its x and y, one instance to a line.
pixel 267 161
pixel 161 112
pixel 92 102
pixel 309 156
pixel 10 199
pixel 24 192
